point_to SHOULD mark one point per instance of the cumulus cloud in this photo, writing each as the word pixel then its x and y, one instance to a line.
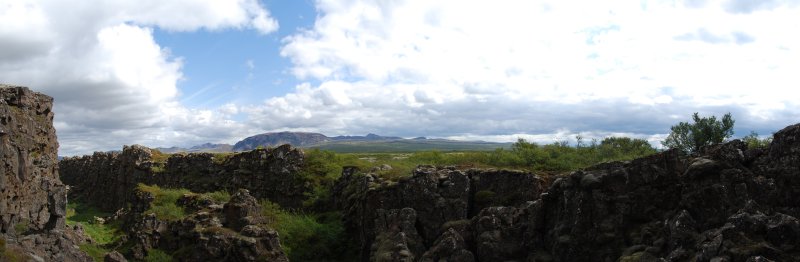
pixel 479 69
pixel 112 83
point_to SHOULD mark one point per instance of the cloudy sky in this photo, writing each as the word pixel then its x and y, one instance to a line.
pixel 185 72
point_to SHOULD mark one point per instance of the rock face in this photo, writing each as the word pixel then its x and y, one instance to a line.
pixel 32 198
pixel 108 180
pixel 211 232
pixel 414 212
pixel 726 203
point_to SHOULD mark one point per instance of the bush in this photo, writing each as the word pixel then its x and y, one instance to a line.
pixel 307 237
pixel 753 141
pixel 705 131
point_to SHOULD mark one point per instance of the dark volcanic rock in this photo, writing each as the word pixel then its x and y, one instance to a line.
pixel 209 233
pixel 435 195
pixel 32 198
pixel 108 180
pixel 297 139
pixel 725 203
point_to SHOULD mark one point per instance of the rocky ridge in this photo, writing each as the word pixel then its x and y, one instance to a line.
pixel 726 203
pixel 32 198
pixel 108 179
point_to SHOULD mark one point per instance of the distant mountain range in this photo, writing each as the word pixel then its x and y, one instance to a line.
pixel 207 147
pixel 344 144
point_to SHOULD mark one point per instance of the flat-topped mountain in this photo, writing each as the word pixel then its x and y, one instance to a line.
pixel 298 139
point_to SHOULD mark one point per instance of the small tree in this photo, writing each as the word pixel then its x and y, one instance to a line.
pixel 753 141
pixel 705 131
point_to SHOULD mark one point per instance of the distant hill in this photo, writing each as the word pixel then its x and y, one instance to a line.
pixel 297 139
pixel 207 147
pixel 370 143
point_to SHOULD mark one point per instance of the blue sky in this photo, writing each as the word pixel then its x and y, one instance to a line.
pixel 181 73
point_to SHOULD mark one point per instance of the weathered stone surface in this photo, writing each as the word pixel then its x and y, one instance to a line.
pixel 243 209
pixel 114 256
pixel 725 203
pixel 436 195
pixel 32 198
pixel 209 233
pixel 107 180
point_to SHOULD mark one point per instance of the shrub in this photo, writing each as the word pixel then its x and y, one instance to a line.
pixel 705 131
pixel 753 141
pixel 307 237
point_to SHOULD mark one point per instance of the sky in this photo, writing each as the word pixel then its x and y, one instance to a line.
pixel 186 72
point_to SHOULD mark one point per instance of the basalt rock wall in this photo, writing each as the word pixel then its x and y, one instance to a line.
pixel 724 203
pixel 108 179
pixel 32 198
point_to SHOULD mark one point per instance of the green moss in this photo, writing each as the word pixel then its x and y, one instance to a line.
pixel 22 226
pixel 157 255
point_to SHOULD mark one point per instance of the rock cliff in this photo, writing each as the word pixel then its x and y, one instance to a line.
pixel 726 203
pixel 108 180
pixel 32 198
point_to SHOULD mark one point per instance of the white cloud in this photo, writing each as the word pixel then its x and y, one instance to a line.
pixel 533 67
pixel 112 83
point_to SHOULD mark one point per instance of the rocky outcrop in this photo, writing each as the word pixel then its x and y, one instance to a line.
pixel 108 180
pixel 725 203
pixel 431 200
pixel 32 198
pixel 212 232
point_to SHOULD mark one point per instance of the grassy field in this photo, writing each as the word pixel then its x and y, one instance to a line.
pixel 408 145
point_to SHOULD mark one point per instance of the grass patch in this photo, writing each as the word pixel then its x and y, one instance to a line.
pixel 103 234
pixel 221 196
pixel 164 204
pixel 158 157
pixel 309 237
pixel 157 255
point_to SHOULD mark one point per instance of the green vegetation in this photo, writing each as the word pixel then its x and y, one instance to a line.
pixel 220 158
pixel 407 146
pixel 753 141
pixel 219 196
pixel 164 205
pixel 705 131
pixel 159 157
pixel 21 227
pixel 305 237
pixel 157 255
pixel 104 235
